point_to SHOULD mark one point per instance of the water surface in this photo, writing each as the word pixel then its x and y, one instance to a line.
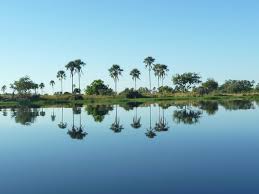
pixel 201 147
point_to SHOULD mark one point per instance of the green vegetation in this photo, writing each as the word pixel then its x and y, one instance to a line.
pixel 184 87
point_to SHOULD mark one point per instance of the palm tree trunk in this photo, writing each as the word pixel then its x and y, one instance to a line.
pixel 61 86
pixel 150 79
pixel 72 83
pixel 157 82
pixel 79 82
pixel 135 84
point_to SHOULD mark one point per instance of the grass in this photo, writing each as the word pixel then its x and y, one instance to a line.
pixel 48 100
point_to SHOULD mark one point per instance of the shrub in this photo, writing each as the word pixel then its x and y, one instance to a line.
pixel 97 87
pixel 237 86
pixel 131 93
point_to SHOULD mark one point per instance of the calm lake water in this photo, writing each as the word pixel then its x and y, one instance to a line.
pixel 205 147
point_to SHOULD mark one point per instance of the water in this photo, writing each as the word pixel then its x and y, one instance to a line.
pixel 205 147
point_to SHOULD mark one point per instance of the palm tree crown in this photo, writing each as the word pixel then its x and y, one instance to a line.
pixel 135 73
pixel 61 75
pixel 149 61
pixel 52 83
pixel 71 66
pixel 115 71
pixel 79 64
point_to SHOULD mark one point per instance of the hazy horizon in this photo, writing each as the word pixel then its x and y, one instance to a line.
pixel 216 39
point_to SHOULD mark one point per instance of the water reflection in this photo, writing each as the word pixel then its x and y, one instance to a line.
pixel 188 113
pixel 162 124
pixel 136 121
pixel 98 111
pixel 25 115
pixel 116 127
pixel 77 132
pixel 150 133
pixel 62 124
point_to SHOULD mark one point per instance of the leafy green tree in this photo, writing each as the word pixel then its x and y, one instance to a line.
pixel 97 87
pixel 79 66
pixel 257 88
pixel 42 86
pixel 12 87
pixel 211 85
pixel 135 74
pixel 149 61
pixel 61 75
pixel 115 71
pixel 52 83
pixel 237 86
pixel 186 81
pixel 72 66
pixel 3 89
pixel 24 85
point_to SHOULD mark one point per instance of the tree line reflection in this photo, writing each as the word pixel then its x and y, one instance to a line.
pixel 182 113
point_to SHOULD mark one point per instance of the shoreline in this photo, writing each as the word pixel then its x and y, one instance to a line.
pixel 61 100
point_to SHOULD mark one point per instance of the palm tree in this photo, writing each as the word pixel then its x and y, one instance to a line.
pixel 41 86
pixel 157 71
pixel 61 75
pixel 52 83
pixel 79 65
pixel 115 72
pixel 71 66
pixel 163 72
pixel 149 61
pixel 3 88
pixel 135 73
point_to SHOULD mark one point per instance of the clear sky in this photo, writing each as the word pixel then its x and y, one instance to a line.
pixel 218 39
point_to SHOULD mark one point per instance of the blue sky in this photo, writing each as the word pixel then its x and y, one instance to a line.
pixel 217 39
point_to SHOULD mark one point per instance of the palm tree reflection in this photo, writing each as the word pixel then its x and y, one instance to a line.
pixel 62 125
pixel 136 122
pixel 53 116
pixel 77 132
pixel 162 124
pixel 116 127
pixel 150 133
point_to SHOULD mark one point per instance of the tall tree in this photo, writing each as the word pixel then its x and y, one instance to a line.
pixel 52 83
pixel 3 89
pixel 79 66
pixel 115 71
pixel 42 86
pixel 135 73
pixel 149 61
pixel 71 66
pixel 61 75
pixel 163 72
pixel 157 72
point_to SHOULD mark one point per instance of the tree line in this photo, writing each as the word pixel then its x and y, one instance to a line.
pixel 186 82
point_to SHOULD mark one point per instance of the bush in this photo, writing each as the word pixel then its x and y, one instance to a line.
pixel 237 86
pixel 165 89
pixel 210 85
pixel 131 93
pixel 98 87
pixel 76 97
